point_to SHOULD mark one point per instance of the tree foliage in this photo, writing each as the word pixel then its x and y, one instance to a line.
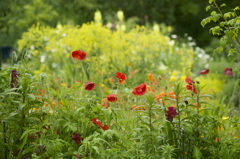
pixel 184 15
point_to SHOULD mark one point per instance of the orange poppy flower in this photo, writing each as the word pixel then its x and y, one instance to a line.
pixel 217 139
pixel 150 77
pixel 54 104
pixel 38 96
pixel 163 94
pixel 237 136
pixel 79 55
pixel 105 103
pixel 133 107
pixel 172 95
pixel 121 77
pixel 141 107
pixel 157 97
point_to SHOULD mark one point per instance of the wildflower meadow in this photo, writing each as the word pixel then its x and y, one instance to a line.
pixel 98 92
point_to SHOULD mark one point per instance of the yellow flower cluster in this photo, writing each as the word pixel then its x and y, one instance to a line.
pixel 139 48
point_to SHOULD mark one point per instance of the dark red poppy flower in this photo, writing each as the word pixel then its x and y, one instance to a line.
pixel 77 138
pixel 40 149
pixel 121 77
pixel 140 89
pixel 59 130
pixel 171 113
pixel 112 98
pixel 105 127
pixel 79 55
pixel 228 71
pixel 89 86
pixel 14 78
pixel 97 122
pixel 192 88
pixel 78 156
pixel 204 72
pixel 188 80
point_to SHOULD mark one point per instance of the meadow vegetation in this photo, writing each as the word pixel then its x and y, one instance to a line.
pixel 99 91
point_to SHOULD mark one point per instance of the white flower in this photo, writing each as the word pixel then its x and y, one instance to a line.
pixel 120 15
pixel 98 17
pixel 156 27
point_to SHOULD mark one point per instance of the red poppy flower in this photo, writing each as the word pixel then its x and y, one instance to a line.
pixel 79 55
pixel 140 89
pixel 89 86
pixel 121 77
pixel 204 72
pixel 105 127
pixel 228 71
pixel 188 80
pixel 192 88
pixel 112 98
pixel 97 122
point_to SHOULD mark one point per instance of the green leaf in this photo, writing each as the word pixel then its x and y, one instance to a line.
pixel 96 149
pixel 210 1
pixel 170 133
pixel 223 41
pixel 32 96
pixel 223 5
pixel 228 15
pixel 197 153
pixel 219 49
pixel 24 137
pixel 207 8
pixel 238 20
pixel 236 8
pixel 222 24
pixel 206 95
pixel 216 30
pixel 216 17
pixel 231 22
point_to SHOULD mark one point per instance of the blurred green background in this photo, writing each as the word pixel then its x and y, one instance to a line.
pixel 16 16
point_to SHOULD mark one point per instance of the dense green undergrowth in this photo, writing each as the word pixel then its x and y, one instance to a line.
pixel 137 94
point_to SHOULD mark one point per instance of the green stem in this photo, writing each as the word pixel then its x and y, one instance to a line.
pixel 150 124
pixel 179 125
pixel 5 140
pixel 137 129
pixel 233 92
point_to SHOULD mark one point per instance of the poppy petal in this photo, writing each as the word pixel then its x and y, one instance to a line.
pixel 112 98
pixel 204 72
pixel 89 86
pixel 79 55
pixel 188 80
pixel 140 89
